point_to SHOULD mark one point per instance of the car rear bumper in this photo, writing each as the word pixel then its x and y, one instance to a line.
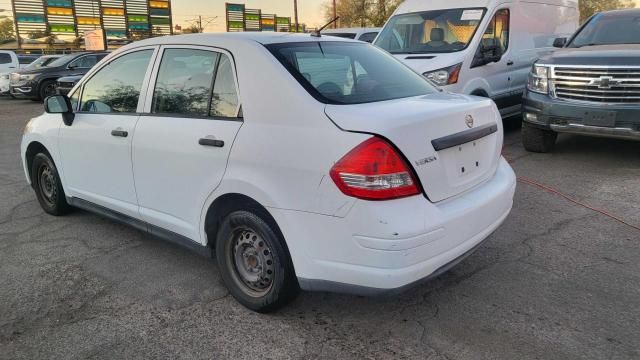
pixel 386 247
pixel 569 116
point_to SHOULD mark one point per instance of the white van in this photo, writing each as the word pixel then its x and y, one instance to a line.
pixel 478 47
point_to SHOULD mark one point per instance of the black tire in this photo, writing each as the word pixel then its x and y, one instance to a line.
pixel 47 88
pixel 538 140
pixel 254 261
pixel 47 185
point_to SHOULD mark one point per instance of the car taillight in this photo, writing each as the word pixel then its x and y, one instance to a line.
pixel 374 170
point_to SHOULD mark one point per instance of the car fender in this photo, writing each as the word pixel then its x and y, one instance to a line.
pixel 43 129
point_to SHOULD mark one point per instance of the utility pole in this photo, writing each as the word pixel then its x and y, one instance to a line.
pixel 335 15
pixel 200 23
pixel 295 13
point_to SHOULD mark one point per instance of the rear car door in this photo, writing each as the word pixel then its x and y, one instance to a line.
pixel 183 140
pixel 96 148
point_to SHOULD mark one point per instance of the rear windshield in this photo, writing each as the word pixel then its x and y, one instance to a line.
pixel 349 73
pixel 610 29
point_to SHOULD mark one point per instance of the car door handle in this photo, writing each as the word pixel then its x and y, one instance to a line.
pixel 510 62
pixel 211 142
pixel 120 133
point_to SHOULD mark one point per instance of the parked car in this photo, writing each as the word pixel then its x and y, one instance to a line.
pixel 484 48
pixel 296 173
pixel 66 83
pixel 362 34
pixel 590 87
pixel 37 84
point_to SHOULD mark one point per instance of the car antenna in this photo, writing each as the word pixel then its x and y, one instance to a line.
pixel 317 32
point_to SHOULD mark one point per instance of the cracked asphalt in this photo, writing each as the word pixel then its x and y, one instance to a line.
pixel 556 281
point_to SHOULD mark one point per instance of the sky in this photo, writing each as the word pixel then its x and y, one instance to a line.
pixel 185 11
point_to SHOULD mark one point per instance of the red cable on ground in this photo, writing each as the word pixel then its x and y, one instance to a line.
pixel 549 189
pixel 554 191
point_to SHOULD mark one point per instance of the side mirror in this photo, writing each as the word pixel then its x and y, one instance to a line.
pixel 488 52
pixel 60 104
pixel 560 42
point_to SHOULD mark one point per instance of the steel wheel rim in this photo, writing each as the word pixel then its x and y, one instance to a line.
pixel 252 262
pixel 47 184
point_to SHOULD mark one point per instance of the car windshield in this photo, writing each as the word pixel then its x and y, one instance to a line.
pixel 62 60
pixel 436 31
pixel 349 73
pixel 41 62
pixel 610 29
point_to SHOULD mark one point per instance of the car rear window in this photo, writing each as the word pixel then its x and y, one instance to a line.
pixel 349 73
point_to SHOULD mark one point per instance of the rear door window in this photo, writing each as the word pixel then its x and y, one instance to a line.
pixel 184 82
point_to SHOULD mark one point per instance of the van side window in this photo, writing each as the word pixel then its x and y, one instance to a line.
pixel 498 29
pixel 116 87
pixel 225 97
pixel 184 82
pixel 5 59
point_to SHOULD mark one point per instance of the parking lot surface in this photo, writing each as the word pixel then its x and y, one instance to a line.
pixel 557 281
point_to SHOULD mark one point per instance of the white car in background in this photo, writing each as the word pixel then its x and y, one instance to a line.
pixel 302 162
pixel 360 34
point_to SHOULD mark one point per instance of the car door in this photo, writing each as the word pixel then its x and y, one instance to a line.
pixel 497 74
pixel 183 140
pixel 96 148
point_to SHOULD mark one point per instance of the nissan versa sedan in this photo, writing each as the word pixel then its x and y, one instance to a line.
pixel 299 162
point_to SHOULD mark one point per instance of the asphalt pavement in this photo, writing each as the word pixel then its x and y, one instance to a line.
pixel 559 280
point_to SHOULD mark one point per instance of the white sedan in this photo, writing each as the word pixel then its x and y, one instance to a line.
pixel 301 162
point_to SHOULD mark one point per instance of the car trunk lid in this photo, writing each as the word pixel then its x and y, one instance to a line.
pixel 453 142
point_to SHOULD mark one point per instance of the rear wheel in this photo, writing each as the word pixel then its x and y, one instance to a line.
pixel 47 185
pixel 254 262
pixel 538 140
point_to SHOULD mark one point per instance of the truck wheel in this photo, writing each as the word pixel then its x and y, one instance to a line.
pixel 538 140
pixel 254 262
pixel 47 185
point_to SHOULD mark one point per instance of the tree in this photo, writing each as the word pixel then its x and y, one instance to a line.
pixel 6 30
pixel 193 29
pixel 590 7
pixel 361 13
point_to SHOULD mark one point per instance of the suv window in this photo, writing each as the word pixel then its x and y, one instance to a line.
pixel 184 82
pixel 498 29
pixel 85 62
pixel 5 58
pixel 225 97
pixel 116 87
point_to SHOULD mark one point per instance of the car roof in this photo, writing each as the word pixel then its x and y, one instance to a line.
pixel 264 38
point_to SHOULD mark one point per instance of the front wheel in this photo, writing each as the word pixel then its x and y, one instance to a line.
pixel 47 88
pixel 254 262
pixel 47 185
pixel 538 140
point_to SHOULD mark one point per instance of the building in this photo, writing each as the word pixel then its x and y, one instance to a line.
pixel 63 22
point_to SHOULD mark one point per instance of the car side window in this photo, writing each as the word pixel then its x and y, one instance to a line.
pixel 184 82
pixel 116 87
pixel 5 59
pixel 224 102
pixel 84 62
pixel 368 37
pixel 498 29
